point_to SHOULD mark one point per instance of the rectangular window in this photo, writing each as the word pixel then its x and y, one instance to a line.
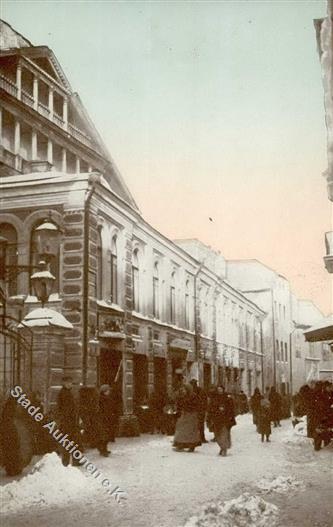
pixel 277 350
pixel 172 305
pixel 135 281
pixel 99 273
pixel 114 284
pixel 285 352
pixel 187 311
pixel 156 311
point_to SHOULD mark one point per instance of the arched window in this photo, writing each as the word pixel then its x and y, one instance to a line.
pixel 156 291
pixel 135 279
pixel 53 261
pixel 9 232
pixel 187 304
pixel 173 298
pixel 114 271
pixel 99 270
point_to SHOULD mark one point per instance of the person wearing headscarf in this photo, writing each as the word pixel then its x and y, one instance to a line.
pixel 222 415
pixel 264 417
pixel 255 405
pixel 187 434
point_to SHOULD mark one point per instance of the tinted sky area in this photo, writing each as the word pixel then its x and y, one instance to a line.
pixel 210 109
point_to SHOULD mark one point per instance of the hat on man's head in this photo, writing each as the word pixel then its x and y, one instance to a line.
pixel 104 388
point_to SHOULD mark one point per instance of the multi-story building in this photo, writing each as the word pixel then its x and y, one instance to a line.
pixel 271 292
pixel 143 308
pixel 311 361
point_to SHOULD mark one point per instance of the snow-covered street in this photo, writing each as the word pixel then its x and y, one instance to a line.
pixel 282 483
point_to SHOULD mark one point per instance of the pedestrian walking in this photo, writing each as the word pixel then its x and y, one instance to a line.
pixel 16 438
pixel 68 417
pixel 222 416
pixel 276 406
pixel 187 433
pixel 157 401
pixel 202 408
pixel 255 405
pixel 264 418
pixel 105 417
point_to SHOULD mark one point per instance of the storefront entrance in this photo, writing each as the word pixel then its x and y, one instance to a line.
pixel 160 376
pixel 109 366
pixel 140 379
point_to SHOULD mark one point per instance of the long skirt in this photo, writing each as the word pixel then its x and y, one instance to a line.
pixel 223 437
pixel 187 433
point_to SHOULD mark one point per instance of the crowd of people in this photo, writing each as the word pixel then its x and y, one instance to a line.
pixel 91 418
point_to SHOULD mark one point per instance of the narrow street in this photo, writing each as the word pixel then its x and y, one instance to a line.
pixel 166 488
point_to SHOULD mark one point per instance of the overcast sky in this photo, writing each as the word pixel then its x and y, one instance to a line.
pixel 210 109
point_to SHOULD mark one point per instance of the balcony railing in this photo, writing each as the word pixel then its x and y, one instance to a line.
pixel 43 110
pixel 10 87
pixel 27 98
pixel 58 120
pixel 80 136
pixel 14 161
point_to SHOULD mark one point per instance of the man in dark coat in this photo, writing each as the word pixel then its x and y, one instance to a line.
pixel 68 417
pixel 255 405
pixel 222 415
pixel 275 400
pixel 16 438
pixel 202 408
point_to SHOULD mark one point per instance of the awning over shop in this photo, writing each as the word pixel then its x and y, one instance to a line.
pixel 321 331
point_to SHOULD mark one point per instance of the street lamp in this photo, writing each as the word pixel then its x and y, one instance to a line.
pixel 48 242
pixel 42 282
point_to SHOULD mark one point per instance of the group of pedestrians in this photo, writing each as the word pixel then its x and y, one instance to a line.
pixel 194 408
pixel 315 400
pixel 91 419
pixel 266 409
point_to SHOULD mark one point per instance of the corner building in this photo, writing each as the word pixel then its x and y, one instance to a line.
pixel 156 308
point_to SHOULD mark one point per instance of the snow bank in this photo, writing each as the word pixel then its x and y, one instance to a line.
pixel 280 484
pixel 297 435
pixel 244 511
pixel 301 427
pixel 48 483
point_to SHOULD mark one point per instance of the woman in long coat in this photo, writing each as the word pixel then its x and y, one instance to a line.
pixel 222 416
pixel 264 419
pixel 187 433
pixel 255 405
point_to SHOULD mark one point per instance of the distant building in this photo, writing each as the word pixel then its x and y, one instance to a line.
pixel 271 292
